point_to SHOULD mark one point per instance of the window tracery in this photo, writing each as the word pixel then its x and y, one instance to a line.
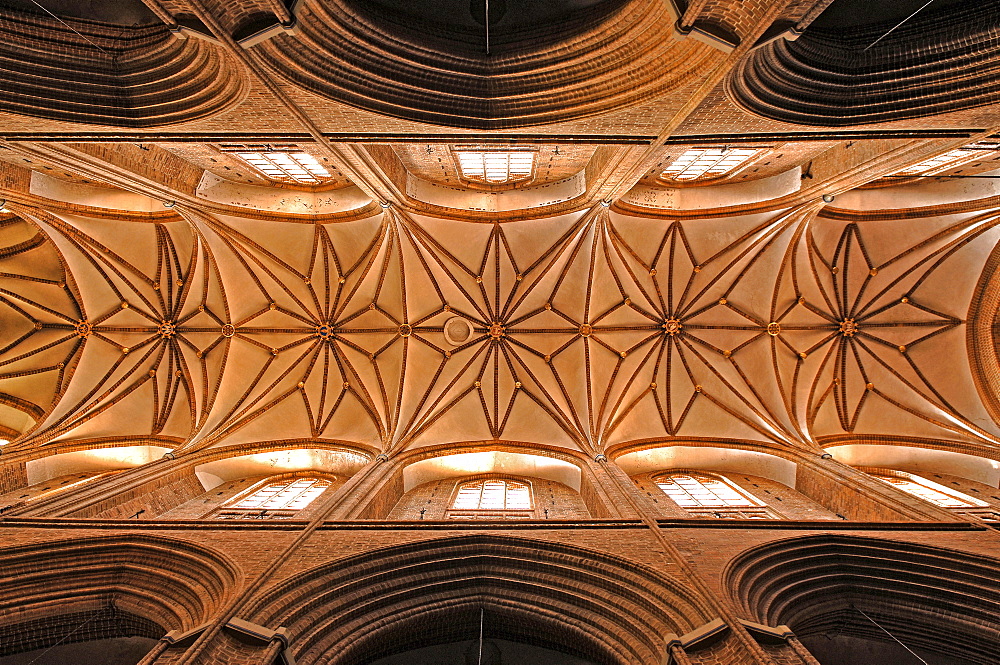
pixel 951 159
pixel 492 498
pixel 705 495
pixel 495 167
pixel 708 163
pixel 935 493
pixel 274 499
pixel 282 163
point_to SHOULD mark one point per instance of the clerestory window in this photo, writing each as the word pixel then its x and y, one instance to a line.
pixel 492 499
pixel 951 159
pixel 705 495
pixel 709 163
pixel 274 500
pixel 935 493
pixel 495 167
pixel 282 163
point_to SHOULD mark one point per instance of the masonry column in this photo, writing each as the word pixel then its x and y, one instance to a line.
pixel 722 640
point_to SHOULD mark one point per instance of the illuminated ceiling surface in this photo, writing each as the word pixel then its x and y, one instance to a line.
pixel 609 311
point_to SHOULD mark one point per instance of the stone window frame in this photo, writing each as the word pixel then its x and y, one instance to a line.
pixel 280 173
pixel 975 508
pixel 759 152
pixel 69 484
pixel 950 160
pixel 457 150
pixel 481 513
pixel 756 509
pixel 230 511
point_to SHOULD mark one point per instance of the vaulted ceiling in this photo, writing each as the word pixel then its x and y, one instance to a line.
pixel 155 289
pixel 590 330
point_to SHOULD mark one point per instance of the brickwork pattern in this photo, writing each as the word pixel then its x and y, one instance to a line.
pixel 787 502
pixel 435 498
pixel 154 498
pixel 356 574
pixel 12 477
pixel 727 651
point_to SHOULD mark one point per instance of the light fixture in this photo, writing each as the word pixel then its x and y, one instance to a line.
pixel 828 198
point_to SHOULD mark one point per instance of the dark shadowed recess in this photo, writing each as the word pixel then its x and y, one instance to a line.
pixel 115 12
pixel 505 15
pixel 864 13
pixel 488 652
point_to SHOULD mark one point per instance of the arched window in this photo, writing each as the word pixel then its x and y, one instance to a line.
pixel 935 493
pixel 282 163
pixel 952 159
pixel 491 499
pixel 495 167
pixel 704 495
pixel 709 163
pixel 274 500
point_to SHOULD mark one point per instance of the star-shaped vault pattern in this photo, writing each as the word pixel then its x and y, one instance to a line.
pixel 591 331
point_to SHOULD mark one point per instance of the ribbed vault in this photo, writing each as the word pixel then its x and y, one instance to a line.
pixel 582 331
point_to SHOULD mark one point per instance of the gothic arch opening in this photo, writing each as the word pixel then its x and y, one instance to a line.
pixel 840 73
pixel 853 601
pixel 581 603
pixel 119 593
pixel 441 73
pixel 104 74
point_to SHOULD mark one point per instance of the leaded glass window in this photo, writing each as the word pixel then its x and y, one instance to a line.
pixel 276 500
pixel 704 495
pixel 708 163
pixel 492 498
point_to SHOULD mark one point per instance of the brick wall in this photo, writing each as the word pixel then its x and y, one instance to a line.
pixel 845 498
pixel 12 477
pixel 154 497
pixel 435 497
pixel 383 496
pixel 593 499
pixel 207 502
pixel 784 500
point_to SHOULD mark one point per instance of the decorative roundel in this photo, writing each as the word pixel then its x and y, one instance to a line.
pixel 168 329
pixel 848 327
pixel 672 326
pixel 457 330
pixel 586 329
pixel 324 331
pixel 774 329
pixel 228 330
pixel 497 330
pixel 405 330
pixel 83 329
